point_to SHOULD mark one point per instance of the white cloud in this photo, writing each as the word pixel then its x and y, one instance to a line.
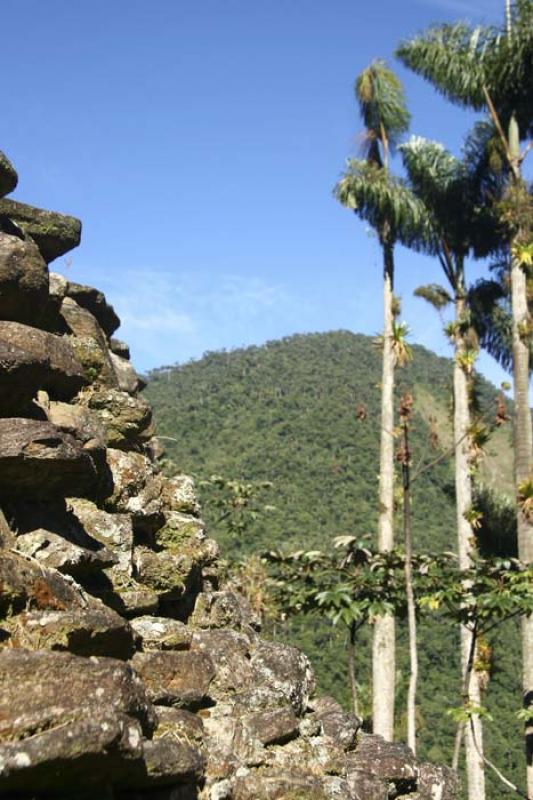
pixel 169 317
pixel 164 320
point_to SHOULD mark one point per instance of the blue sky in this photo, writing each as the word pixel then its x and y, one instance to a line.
pixel 199 142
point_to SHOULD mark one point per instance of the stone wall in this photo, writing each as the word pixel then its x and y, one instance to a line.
pixel 126 669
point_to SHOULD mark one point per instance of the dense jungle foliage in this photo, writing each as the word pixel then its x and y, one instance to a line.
pixel 303 414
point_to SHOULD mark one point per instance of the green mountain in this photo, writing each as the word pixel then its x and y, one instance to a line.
pixel 303 413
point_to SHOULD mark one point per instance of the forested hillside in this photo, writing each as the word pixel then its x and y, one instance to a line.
pixel 303 413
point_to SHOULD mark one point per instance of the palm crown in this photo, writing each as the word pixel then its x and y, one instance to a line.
pixel 383 110
pixel 465 64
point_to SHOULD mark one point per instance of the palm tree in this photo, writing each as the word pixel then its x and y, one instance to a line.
pixel 490 70
pixel 368 189
pixel 449 192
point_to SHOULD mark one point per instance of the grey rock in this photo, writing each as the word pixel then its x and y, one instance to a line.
pixel 89 343
pixel 162 633
pixel 230 653
pixel 94 301
pixel 44 610
pixel 437 783
pixel 386 761
pixel 230 746
pixel 58 286
pixel 137 488
pixel 90 631
pixel 179 723
pixel 127 378
pixel 58 370
pixel 8 175
pixel 34 694
pixel 167 573
pixel 179 679
pixel 121 592
pixel 269 784
pixel 336 788
pixel 334 722
pixel 319 756
pixel 224 609
pixel 126 419
pixel 90 752
pixel 23 279
pixel 166 761
pixel 7 536
pixel 27 586
pixel 285 669
pixel 55 234
pixel 37 457
pixel 177 529
pixel 179 494
pixel 221 790
pixel 120 348
pixel 256 698
pixel 112 530
pixel 51 739
pixel 272 727
pixel 56 519
pixel 51 319
pixel 78 420
pixel 365 786
pixel 227 750
pixel 23 374
pixel 66 556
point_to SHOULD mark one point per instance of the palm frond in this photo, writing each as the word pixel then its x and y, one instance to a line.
pixel 451 189
pixel 464 62
pixel 485 159
pixel 491 318
pixel 381 99
pixel 434 294
pixel 387 204
pixel 431 168
pixel 439 179
pixel 453 58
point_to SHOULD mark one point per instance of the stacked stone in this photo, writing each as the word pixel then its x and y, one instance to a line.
pixel 126 671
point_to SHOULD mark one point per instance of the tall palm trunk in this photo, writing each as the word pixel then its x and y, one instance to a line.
pixel 466 547
pixel 384 646
pixel 523 472
pixel 523 443
pixel 409 591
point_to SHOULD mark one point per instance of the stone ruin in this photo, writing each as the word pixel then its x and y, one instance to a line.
pixel 127 670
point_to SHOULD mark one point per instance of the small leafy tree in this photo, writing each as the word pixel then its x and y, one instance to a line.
pixel 352 583
pixel 239 504
pixel 490 592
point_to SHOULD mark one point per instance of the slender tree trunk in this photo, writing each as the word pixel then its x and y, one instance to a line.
pixel 466 548
pixel 508 18
pixel 522 434
pixel 459 734
pixel 351 668
pixel 411 608
pixel 523 471
pixel 383 649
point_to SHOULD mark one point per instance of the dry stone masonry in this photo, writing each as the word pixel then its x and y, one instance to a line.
pixel 126 670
